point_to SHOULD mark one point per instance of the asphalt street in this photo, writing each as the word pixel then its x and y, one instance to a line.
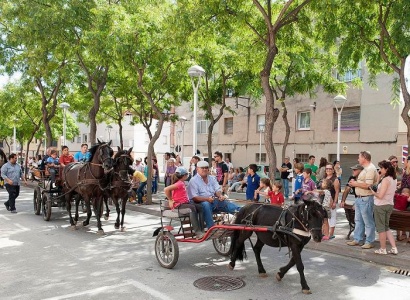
pixel 49 260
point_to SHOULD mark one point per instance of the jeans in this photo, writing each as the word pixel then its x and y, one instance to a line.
pixel 285 183
pixel 155 184
pixel 14 191
pixel 215 207
pixel 363 217
pixel 52 174
pixel 235 185
pixel 140 191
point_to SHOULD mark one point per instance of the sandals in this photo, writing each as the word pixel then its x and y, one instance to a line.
pixel 382 251
pixel 393 251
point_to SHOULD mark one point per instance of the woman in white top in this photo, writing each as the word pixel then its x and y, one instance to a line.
pixel 383 206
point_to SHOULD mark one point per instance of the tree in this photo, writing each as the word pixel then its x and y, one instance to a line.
pixel 374 31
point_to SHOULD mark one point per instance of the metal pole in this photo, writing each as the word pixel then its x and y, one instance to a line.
pixel 339 120
pixel 194 125
pixel 14 140
pixel 182 146
pixel 260 144
pixel 64 126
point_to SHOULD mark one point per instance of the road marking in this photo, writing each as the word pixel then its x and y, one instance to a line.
pixel 5 218
pixel 141 286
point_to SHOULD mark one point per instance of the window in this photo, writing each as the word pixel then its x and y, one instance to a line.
pixel 351 74
pixel 260 119
pixel 85 138
pixel 165 139
pixel 79 139
pixel 202 127
pixel 304 120
pixel 303 158
pixel 350 118
pixel 263 157
pixel 228 128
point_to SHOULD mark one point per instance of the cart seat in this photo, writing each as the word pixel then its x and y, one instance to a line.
pixel 173 214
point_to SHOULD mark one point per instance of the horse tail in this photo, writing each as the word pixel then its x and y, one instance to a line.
pixel 238 251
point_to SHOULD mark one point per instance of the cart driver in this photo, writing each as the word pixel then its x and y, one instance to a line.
pixel 205 190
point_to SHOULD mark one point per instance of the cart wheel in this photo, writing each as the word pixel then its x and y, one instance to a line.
pixel 166 249
pixel 37 200
pixel 46 206
pixel 222 245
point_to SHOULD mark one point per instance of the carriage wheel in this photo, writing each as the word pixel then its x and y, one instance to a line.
pixel 222 245
pixel 37 200
pixel 46 206
pixel 166 250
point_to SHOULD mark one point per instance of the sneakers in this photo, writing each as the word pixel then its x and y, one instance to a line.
pixel 14 211
pixel 199 235
pixel 325 238
pixel 380 251
pixel 393 251
pixel 368 246
pixel 7 206
pixel 353 243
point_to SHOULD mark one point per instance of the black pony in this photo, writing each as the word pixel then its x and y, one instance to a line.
pixel 120 184
pixel 89 180
pixel 292 227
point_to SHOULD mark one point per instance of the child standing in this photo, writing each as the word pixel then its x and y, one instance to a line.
pixel 264 189
pixel 178 198
pixel 308 184
pixel 327 203
pixel 298 182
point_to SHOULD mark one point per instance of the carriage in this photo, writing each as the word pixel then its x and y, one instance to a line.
pixel 93 182
pixel 292 226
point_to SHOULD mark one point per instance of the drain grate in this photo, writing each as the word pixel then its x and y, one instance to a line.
pixel 219 283
pixel 400 271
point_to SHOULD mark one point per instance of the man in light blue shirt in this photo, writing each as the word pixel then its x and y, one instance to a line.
pixel 12 173
pixel 203 189
pixel 83 155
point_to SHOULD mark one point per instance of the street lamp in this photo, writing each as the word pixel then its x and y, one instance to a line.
pixel 64 106
pixel 261 130
pixel 109 127
pixel 182 121
pixel 195 72
pixel 339 102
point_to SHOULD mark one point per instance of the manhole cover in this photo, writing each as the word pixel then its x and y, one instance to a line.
pixel 219 283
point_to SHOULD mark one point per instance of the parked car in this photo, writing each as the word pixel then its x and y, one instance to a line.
pixel 263 171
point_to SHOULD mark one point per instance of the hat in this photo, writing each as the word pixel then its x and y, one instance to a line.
pixel 138 159
pixel 181 171
pixel 357 167
pixel 202 164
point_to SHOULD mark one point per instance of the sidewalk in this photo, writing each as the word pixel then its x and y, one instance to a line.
pixel 335 246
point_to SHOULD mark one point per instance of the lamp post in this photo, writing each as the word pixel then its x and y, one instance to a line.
pixel 182 121
pixel 195 72
pixel 109 127
pixel 261 130
pixel 339 102
pixel 14 139
pixel 64 106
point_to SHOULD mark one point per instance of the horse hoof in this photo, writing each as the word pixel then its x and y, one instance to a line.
pixel 106 218
pixel 100 232
pixel 85 223
pixel 306 292
pixel 278 277
pixel 123 229
pixel 116 227
pixel 263 275
pixel 73 227
pixel 230 267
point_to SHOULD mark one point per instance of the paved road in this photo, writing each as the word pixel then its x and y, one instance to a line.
pixel 47 260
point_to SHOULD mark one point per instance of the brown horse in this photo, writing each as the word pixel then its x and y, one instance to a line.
pixel 120 185
pixel 89 180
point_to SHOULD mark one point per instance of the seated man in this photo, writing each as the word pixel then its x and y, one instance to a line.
pixel 83 155
pixel 202 188
pixel 53 165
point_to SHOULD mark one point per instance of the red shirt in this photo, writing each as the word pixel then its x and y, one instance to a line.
pixel 66 159
pixel 276 199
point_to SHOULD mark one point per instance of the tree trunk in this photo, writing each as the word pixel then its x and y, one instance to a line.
pixel 406 98
pixel 287 129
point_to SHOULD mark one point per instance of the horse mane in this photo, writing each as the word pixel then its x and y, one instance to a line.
pixel 94 148
pixel 3 157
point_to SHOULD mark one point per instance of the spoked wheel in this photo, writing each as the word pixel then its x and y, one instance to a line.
pixel 166 250
pixel 46 206
pixel 222 245
pixel 37 200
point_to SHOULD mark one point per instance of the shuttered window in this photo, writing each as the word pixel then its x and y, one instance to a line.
pixel 228 125
pixel 304 120
pixel 202 126
pixel 350 118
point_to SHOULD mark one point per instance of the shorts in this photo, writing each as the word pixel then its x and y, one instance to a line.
pixel 332 219
pixel 382 217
